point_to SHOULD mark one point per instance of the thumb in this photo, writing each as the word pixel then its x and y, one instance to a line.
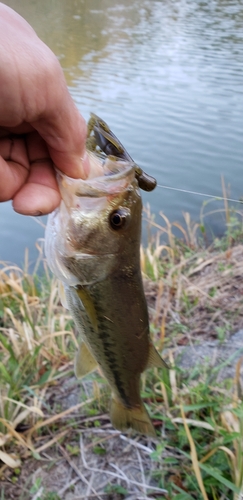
pixel 64 131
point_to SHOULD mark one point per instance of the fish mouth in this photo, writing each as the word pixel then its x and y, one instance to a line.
pixel 117 177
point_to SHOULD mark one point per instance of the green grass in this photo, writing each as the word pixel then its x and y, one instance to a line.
pixel 201 446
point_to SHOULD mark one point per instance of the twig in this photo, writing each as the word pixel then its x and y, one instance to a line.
pixel 84 497
pixel 146 449
pixel 38 494
pixel 121 472
pixel 89 487
pixel 141 469
pixel 67 486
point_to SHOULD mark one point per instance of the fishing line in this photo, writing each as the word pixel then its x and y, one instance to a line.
pixel 199 194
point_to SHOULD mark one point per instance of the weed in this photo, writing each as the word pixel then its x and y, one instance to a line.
pixel 116 488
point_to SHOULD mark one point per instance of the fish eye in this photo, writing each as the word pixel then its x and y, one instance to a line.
pixel 119 218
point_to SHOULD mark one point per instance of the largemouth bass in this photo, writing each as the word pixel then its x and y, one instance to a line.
pixel 93 247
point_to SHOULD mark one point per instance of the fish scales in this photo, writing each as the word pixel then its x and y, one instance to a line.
pixel 93 247
pixel 127 310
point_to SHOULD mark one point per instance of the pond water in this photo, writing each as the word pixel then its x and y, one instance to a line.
pixel 167 76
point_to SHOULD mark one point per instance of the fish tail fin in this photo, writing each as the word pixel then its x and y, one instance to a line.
pixel 137 418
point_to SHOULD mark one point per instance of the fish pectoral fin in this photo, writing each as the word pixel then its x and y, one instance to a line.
pixel 84 361
pixel 155 360
pixel 62 295
pixel 88 305
pixel 137 418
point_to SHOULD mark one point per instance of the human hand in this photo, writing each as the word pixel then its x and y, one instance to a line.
pixel 39 122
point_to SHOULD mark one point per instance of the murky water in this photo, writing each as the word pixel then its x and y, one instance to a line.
pixel 167 76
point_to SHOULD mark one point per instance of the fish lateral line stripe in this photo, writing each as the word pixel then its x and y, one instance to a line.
pixel 120 386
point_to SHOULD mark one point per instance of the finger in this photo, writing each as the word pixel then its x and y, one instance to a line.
pixel 24 128
pixel 14 167
pixel 65 135
pixel 36 147
pixel 13 148
pixel 13 176
pixel 40 195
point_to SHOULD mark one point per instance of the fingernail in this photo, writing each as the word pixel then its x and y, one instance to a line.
pixel 37 214
pixel 23 212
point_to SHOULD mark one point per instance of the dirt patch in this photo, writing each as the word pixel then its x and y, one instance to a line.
pixel 105 465
pixel 199 298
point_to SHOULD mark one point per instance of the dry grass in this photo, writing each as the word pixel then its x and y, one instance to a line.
pixel 195 290
pixel 36 346
pixel 201 295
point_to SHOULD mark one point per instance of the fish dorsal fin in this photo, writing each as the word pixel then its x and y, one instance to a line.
pixel 89 306
pixel 137 418
pixel 84 361
pixel 62 295
pixel 154 359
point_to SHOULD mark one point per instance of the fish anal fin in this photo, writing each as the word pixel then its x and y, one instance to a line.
pixel 89 306
pixel 137 418
pixel 62 295
pixel 154 359
pixel 84 361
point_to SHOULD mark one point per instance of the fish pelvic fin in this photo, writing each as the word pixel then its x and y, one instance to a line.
pixel 154 359
pixel 137 418
pixel 84 362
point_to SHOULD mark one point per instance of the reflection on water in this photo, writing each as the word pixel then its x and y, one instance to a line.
pixel 167 77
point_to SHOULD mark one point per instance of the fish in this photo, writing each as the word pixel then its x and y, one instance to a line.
pixel 92 246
